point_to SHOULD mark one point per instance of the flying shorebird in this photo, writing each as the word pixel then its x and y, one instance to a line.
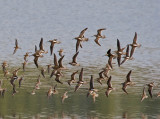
pixel 127 82
pixel 80 82
pixel 60 52
pixel 91 88
pixel 109 88
pixel 36 60
pixel 4 65
pixel 127 57
pixel 74 62
pixel 56 65
pixel 106 70
pixel 24 65
pixel 58 75
pixel 55 41
pixel 42 72
pixel 80 38
pixel 64 96
pixel 60 63
pixel 15 72
pixel 119 52
pixel 16 46
pixel 150 88
pixel 98 36
pixel 111 56
pixel 100 77
pixel 144 95
pixel 26 55
pixel 20 81
pixel 72 80
pixel 41 46
pixel 134 45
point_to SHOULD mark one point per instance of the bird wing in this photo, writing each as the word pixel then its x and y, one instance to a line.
pixel 41 44
pixel 81 75
pixel 74 57
pixel 128 77
pixel 96 40
pixel 60 61
pixel 82 33
pixel 118 45
pixel 91 83
pixel 36 61
pixel 55 60
pixel 135 38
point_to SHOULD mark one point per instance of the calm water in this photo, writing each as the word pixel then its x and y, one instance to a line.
pixel 29 20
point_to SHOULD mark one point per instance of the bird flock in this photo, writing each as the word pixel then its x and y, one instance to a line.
pixel 57 68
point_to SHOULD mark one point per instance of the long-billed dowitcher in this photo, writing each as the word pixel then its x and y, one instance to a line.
pixel 74 62
pixel 134 45
pixel 109 88
pixel 80 82
pixel 72 80
pixel 55 41
pixel 99 35
pixel 16 46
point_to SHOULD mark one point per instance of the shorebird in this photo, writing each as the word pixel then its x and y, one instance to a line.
pixel 4 65
pixel 12 80
pixel 144 95
pixel 111 56
pixel 134 45
pixel 80 38
pixel 109 88
pixel 119 52
pixel 41 46
pixel 6 72
pixel 98 36
pixel 127 57
pixel 56 65
pixel 24 65
pixel 150 88
pixel 15 72
pixel 60 62
pixel 99 80
pixel 60 52
pixel 20 81
pixel 91 88
pixel 64 96
pixel 74 62
pixel 16 46
pixel 26 55
pixel 58 75
pixel 127 82
pixel 42 72
pixel 106 70
pixel 72 78
pixel 80 82
pixel 55 41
